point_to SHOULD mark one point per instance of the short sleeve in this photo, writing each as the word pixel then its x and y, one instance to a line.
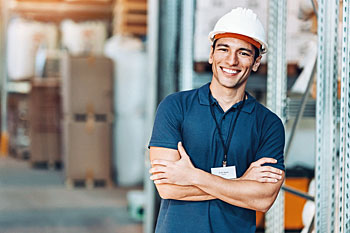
pixel 272 141
pixel 167 124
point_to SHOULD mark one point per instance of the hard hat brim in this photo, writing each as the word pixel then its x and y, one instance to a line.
pixel 263 46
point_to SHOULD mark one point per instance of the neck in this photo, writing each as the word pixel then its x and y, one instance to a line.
pixel 227 97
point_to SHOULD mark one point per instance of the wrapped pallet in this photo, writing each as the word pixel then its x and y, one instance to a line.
pixel 24 38
pixel 130 86
pixel 85 37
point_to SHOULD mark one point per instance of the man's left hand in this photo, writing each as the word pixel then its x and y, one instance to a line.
pixel 263 174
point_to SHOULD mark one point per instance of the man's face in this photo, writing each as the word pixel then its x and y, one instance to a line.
pixel 232 61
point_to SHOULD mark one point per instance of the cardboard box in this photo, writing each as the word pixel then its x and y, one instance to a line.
pixel 87 148
pixel 45 147
pixel 87 84
pixel 44 121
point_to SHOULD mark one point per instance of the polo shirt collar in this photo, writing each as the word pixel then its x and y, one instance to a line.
pixel 203 93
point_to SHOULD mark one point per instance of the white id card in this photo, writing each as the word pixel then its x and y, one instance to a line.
pixel 225 172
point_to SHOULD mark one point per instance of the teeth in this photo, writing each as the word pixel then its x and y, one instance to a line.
pixel 230 71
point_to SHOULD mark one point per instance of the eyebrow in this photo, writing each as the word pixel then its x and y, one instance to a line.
pixel 223 45
pixel 227 46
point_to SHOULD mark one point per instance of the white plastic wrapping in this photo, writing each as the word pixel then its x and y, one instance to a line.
pixel 130 105
pixel 84 38
pixel 24 38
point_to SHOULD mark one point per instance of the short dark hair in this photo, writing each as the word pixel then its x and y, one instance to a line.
pixel 256 50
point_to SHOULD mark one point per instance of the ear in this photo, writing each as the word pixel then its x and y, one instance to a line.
pixel 211 55
pixel 256 64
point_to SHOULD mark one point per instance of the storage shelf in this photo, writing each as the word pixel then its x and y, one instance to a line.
pixel 293 105
pixel 57 11
pixel 22 87
pixel 46 82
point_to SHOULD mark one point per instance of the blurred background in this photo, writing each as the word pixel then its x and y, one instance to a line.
pixel 80 83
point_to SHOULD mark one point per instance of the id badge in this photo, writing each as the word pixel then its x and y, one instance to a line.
pixel 225 172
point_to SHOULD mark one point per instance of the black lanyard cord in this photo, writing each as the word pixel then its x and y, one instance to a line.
pixel 226 145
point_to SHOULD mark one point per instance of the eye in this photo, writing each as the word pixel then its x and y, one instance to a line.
pixel 245 54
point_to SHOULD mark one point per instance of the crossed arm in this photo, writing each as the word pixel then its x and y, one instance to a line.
pixel 176 178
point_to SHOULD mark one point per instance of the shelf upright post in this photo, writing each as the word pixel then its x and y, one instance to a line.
pixel 326 113
pixel 344 155
pixel 163 53
pixel 277 92
pixel 186 44
pixel 4 138
pixel 168 47
pixel 152 53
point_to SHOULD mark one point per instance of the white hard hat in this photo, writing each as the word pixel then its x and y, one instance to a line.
pixel 242 22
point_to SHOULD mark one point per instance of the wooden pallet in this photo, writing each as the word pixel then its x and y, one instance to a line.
pixel 130 17
pixel 88 183
pixel 20 152
pixel 52 165
pixel 58 10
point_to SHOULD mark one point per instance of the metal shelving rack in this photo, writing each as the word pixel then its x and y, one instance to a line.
pixel 332 194
pixel 326 108
pixel 277 92
pixel 343 219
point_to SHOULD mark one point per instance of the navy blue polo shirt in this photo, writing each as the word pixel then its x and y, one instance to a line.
pixel 186 117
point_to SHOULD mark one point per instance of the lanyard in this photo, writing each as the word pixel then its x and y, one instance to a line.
pixel 228 141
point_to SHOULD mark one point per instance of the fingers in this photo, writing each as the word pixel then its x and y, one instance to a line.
pixel 270 169
pixel 160 162
pixel 271 175
pixel 158 176
pixel 264 160
pixel 162 181
pixel 264 174
pixel 269 172
pixel 157 169
pixel 268 180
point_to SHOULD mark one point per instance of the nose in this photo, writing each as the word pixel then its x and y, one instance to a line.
pixel 232 59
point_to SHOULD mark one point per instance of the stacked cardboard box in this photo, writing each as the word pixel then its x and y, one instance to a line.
pixel 44 119
pixel 87 84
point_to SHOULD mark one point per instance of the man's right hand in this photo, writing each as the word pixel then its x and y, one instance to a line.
pixel 263 174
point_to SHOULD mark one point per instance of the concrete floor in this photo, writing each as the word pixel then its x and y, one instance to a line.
pixel 37 201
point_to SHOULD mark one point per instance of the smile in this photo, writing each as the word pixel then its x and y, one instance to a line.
pixel 230 71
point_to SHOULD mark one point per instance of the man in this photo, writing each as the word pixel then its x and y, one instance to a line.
pixel 216 153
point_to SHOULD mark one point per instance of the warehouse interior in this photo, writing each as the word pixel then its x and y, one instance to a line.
pixel 80 85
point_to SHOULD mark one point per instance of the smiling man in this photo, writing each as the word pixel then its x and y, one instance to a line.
pixel 216 153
